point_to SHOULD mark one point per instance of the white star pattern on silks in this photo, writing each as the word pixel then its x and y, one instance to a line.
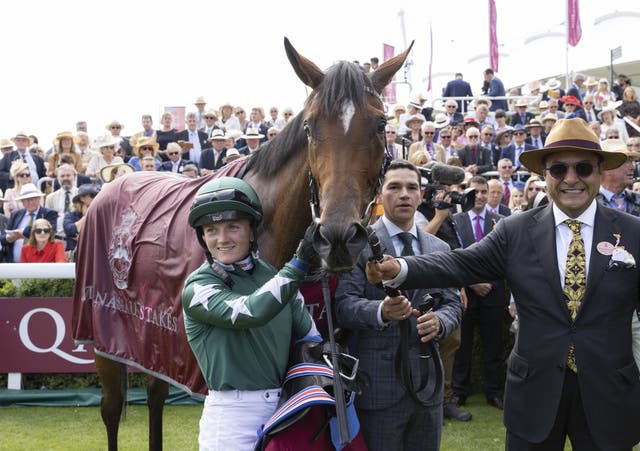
pixel 300 298
pixel 201 295
pixel 237 306
pixel 274 287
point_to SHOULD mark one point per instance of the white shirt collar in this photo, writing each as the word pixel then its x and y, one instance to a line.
pixel 394 229
pixel 587 217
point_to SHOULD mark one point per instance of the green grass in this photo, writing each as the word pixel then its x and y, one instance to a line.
pixel 81 429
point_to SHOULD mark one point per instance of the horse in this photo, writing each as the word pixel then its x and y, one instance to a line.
pixel 135 249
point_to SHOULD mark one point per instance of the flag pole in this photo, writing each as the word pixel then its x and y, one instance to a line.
pixel 566 44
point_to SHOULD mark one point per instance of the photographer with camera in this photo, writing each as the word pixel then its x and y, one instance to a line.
pixel 393 416
pixel 439 204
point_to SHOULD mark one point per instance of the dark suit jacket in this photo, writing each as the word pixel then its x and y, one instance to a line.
pixel 168 165
pixel 497 296
pixel 14 220
pixel 516 119
pixel 202 136
pixel 457 118
pixel 543 138
pixel 357 303
pixel 483 160
pixel 5 165
pixel 522 249
pixel 458 88
pixel 496 88
pixel 208 161
pixel 581 113
pixel 510 151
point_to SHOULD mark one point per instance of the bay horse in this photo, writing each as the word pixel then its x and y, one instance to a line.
pixel 136 249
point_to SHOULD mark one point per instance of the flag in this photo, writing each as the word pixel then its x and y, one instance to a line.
pixel 430 55
pixel 389 92
pixel 574 31
pixel 493 36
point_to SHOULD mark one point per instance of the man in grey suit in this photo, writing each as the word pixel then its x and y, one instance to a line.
pixel 571 266
pixel 390 417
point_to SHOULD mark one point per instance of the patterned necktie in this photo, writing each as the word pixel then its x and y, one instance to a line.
pixel 478 228
pixel 618 199
pixel 575 280
pixel 31 215
pixel 67 201
pixel 407 242
pixel 507 193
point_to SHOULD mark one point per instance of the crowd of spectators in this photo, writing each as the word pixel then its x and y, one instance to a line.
pixel 61 180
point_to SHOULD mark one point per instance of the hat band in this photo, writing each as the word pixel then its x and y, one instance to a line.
pixel 584 143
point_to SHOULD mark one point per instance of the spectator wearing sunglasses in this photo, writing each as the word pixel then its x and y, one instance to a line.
pixel 43 246
pixel 21 221
pixel 21 175
pixel 36 164
pixel 395 150
pixel 433 150
pixel 475 158
pixel 518 147
pixel 176 163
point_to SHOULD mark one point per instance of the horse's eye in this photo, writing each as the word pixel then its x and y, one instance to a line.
pixel 382 124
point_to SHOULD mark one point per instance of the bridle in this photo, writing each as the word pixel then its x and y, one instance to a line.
pixel 367 212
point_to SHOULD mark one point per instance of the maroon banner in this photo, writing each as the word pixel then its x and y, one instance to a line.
pixel 35 337
pixel 493 36
pixel 389 93
pixel 574 30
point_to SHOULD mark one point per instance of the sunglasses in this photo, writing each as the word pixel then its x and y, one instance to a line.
pixel 146 148
pixel 239 112
pixel 173 153
pixel 519 133
pixel 429 133
pixel 588 103
pixel 452 106
pixel 559 170
pixel 473 136
pixel 488 134
pixel 24 175
pixel 209 117
pixel 535 188
pixel 43 230
pixel 389 132
pixel 445 137
pixel 506 167
pixel 287 114
pixel 115 127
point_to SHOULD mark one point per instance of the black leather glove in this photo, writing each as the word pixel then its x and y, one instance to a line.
pixel 305 251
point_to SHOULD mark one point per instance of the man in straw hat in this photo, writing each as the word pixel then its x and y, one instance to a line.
pixel 571 268
pixel 36 164
pixel 20 222
pixel 213 158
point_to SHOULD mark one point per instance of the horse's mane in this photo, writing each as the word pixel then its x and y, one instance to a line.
pixel 344 81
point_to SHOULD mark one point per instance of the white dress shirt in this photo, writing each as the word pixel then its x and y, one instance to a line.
pixel 564 236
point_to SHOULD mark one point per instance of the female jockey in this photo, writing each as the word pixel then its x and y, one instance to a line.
pixel 240 314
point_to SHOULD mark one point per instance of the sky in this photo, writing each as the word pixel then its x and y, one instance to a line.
pixel 69 60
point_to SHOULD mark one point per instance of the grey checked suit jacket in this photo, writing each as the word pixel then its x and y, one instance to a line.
pixel 357 303
pixel 522 249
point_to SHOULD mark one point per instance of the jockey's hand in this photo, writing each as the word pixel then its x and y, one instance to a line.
pixel 428 325
pixel 305 251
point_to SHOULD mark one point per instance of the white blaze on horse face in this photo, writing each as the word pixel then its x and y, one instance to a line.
pixel 348 110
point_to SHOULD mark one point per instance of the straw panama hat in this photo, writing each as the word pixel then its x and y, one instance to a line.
pixel 28 191
pixel 106 173
pixel 571 134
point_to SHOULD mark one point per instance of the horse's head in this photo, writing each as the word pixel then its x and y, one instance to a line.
pixel 344 120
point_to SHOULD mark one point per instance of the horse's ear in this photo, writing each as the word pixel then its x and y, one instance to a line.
pixel 306 70
pixel 383 75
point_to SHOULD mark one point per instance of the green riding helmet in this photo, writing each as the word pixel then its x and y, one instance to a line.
pixel 224 199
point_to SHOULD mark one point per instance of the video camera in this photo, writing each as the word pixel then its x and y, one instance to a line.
pixel 437 174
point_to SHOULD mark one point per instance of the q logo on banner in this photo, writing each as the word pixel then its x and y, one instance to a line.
pixel 60 333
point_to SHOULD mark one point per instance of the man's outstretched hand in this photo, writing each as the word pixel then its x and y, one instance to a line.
pixel 387 270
